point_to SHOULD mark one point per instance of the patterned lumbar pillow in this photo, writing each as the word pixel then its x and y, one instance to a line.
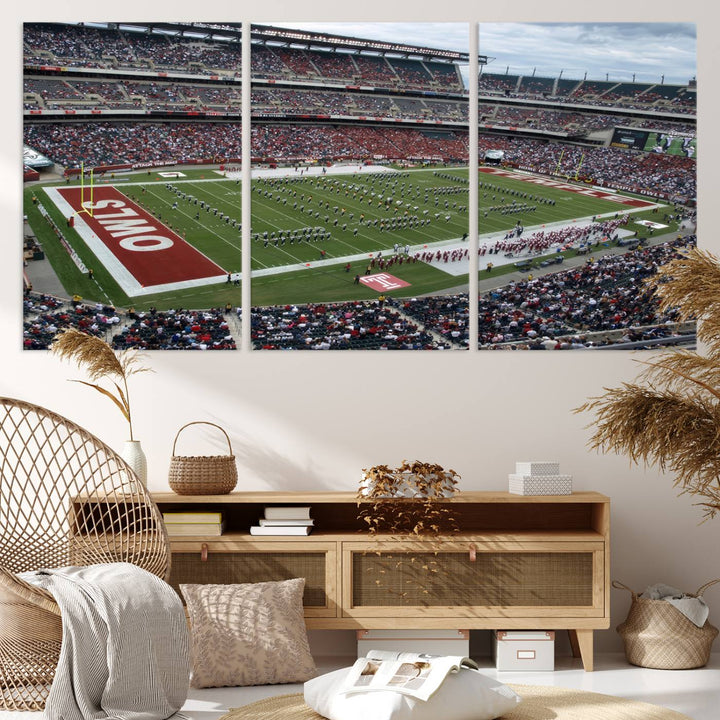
pixel 250 634
pixel 465 695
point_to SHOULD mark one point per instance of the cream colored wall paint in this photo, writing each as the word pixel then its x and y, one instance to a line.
pixel 312 421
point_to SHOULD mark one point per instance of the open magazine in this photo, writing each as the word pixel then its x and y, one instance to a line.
pixel 409 673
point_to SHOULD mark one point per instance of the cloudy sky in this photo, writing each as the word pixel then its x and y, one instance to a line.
pixel 615 50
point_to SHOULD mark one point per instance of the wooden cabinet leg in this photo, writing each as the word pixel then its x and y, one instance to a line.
pixel 574 643
pixel 581 642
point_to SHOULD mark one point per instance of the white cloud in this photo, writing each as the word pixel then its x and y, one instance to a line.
pixel 614 50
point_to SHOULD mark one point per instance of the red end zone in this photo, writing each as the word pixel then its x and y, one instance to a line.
pixel 549 182
pixel 151 252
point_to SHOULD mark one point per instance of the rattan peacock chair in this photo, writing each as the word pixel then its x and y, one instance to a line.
pixel 65 499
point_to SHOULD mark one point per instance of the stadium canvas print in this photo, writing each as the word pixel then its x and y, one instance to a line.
pixel 360 186
pixel 587 181
pixel 362 231
pixel 132 223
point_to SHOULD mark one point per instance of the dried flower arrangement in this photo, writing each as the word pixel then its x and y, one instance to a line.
pixel 670 416
pixel 405 503
pixel 403 500
pixel 101 362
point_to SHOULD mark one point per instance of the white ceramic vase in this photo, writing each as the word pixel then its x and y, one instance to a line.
pixel 134 456
pixel 407 486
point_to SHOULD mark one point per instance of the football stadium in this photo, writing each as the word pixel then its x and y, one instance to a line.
pixel 360 229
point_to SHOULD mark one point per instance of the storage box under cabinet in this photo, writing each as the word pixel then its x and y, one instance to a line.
pixel 524 650
pixel 429 642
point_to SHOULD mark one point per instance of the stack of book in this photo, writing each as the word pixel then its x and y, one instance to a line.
pixel 181 524
pixel 539 478
pixel 284 520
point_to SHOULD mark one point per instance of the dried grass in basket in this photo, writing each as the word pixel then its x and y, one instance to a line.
pixel 657 635
pixel 202 474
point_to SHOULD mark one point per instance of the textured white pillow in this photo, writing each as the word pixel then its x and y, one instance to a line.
pixel 466 695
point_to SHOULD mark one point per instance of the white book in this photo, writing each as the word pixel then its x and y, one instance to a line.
pixel 285 523
pixel 280 530
pixel 198 529
pixel 192 517
pixel 287 512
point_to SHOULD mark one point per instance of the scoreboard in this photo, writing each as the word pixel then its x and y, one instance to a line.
pixel 629 139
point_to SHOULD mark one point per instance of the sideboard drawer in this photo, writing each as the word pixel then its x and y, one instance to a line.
pixel 234 562
pixel 500 579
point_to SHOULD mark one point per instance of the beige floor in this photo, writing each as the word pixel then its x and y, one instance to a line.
pixel 693 692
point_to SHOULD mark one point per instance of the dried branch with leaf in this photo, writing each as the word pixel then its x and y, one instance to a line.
pixel 405 500
pixel 670 416
pixel 101 362
pixel 408 503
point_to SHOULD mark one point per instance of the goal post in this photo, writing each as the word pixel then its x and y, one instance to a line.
pixel 91 189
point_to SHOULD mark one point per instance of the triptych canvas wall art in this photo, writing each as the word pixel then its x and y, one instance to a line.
pixel 405 191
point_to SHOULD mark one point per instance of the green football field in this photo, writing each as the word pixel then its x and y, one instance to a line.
pixel 311 235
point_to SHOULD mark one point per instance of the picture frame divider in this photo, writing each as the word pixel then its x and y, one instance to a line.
pixel 473 229
pixel 246 194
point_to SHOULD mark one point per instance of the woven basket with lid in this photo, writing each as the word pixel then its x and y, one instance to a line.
pixel 202 474
pixel 657 635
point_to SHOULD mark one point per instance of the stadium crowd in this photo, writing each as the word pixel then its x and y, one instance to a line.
pixel 555 311
pixel 640 96
pixel 96 47
pixel 107 143
pixel 176 330
pixel 355 325
pixel 44 316
pixel 174 97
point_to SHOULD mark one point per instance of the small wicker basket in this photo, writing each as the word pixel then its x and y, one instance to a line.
pixel 204 474
pixel 657 635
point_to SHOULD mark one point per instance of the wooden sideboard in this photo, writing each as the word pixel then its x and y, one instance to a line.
pixel 516 562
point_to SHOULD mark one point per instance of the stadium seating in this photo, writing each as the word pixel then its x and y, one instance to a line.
pixel 554 311
pixel 45 316
pixel 369 325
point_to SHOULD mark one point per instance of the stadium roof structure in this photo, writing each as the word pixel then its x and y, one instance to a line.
pixel 305 39
pixel 287 37
pixel 227 32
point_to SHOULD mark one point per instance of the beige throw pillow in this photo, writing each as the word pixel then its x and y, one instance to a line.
pixel 250 634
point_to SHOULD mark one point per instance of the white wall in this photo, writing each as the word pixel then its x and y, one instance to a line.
pixel 312 421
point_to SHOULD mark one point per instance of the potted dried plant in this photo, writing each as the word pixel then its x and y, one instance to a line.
pixel 402 504
pixel 411 479
pixel 102 363
pixel 670 415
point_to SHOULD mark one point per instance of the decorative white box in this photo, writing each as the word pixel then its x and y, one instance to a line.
pixel 524 650
pixel 430 642
pixel 537 467
pixel 540 485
